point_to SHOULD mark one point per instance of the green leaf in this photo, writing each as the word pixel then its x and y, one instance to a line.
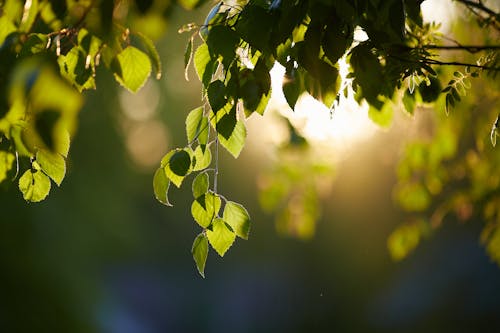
pixel 223 41
pixel 202 158
pixel 413 197
pixel 6 161
pixel 238 218
pixel 205 208
pixel 132 68
pixel 200 185
pixel 161 185
pixel 52 164
pixel 203 64
pixel 216 95
pixel 409 102
pixel 292 86
pixel 254 26
pixel 177 165
pixel 34 185
pixel 382 117
pixel 153 54
pixel 6 28
pixel 235 143
pixel 405 239
pixel 188 55
pixel 73 67
pixel 191 4
pixel 221 237
pixel 197 126
pixel 200 252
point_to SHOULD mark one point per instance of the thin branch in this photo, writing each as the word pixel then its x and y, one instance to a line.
pixel 479 6
pixel 468 48
pixel 456 63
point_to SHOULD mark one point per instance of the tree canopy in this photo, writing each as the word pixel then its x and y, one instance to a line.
pixel 52 50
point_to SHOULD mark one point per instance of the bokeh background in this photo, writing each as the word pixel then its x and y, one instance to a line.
pixel 102 255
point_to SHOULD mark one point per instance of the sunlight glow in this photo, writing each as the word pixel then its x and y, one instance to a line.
pixel 346 124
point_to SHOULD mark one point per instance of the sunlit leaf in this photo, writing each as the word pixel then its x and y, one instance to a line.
pixel 205 208
pixel 177 165
pixel 161 185
pixel 52 164
pixel 200 252
pixel 202 158
pixel 200 185
pixel 221 237
pixel 238 218
pixel 203 64
pixel 153 54
pixel 132 68
pixel 382 117
pixel 197 126
pixel 34 185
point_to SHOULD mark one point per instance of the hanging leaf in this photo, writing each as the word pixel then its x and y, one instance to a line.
pixel 177 165
pixel 52 164
pixel 34 185
pixel 238 218
pixel 216 95
pixel 200 185
pixel 132 68
pixel 221 237
pixel 197 126
pixel 203 64
pixel 200 252
pixel 205 208
pixel 202 158
pixel 409 102
pixel 153 54
pixel 161 185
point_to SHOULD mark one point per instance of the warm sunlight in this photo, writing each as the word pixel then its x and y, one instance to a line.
pixel 347 124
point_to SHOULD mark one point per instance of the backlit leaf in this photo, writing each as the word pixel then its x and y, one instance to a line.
pixel 200 185
pixel 202 157
pixel 203 64
pixel 238 218
pixel 34 185
pixel 205 208
pixel 52 164
pixel 161 185
pixel 200 252
pixel 221 237
pixel 197 126
pixel 177 165
pixel 132 68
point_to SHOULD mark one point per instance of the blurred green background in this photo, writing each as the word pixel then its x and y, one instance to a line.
pixel 102 255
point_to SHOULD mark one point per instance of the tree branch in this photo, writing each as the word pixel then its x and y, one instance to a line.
pixel 479 6
pixel 468 48
pixel 457 63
